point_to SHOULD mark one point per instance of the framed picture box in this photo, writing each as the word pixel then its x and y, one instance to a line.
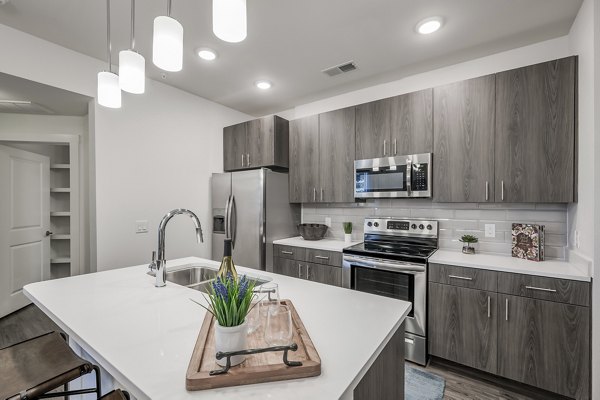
pixel 528 241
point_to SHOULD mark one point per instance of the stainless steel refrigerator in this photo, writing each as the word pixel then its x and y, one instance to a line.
pixel 252 208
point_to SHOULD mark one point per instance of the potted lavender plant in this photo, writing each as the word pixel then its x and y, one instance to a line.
pixel 230 301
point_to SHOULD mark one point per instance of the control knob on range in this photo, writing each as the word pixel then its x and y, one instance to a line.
pixel 414 226
pixel 429 227
pixel 376 224
pixel 369 223
pixel 421 227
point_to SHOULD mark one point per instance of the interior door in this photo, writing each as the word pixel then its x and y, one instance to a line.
pixel 24 223
pixel 247 192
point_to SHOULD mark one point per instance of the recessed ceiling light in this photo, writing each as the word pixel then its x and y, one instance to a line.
pixel 207 54
pixel 264 85
pixel 429 25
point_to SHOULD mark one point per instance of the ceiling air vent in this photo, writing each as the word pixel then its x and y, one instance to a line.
pixel 340 69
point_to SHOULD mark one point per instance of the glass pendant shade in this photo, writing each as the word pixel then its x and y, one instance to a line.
pixel 109 92
pixel 229 20
pixel 132 76
pixel 167 46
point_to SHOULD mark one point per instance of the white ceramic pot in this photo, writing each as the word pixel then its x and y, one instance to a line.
pixel 348 237
pixel 231 338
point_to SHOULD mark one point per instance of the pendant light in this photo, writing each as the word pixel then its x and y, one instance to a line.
pixel 229 20
pixel 167 46
pixel 109 92
pixel 132 65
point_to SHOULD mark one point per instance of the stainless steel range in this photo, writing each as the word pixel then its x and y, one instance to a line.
pixel 392 262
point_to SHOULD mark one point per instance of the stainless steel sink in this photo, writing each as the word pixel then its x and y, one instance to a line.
pixel 200 277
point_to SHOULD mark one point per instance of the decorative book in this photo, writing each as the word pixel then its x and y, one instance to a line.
pixel 528 241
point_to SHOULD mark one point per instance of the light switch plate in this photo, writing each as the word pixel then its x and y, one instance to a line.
pixel 328 221
pixel 141 226
pixel 490 230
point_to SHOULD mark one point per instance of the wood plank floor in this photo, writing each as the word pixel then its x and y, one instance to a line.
pixel 30 322
pixel 24 324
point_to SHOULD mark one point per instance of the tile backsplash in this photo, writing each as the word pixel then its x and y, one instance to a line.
pixel 456 219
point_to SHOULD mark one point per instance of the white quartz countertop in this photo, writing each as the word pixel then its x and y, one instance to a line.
pixel 144 336
pixel 323 244
pixel 549 268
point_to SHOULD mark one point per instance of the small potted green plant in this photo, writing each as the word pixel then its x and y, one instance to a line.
pixel 347 231
pixel 230 302
pixel 468 240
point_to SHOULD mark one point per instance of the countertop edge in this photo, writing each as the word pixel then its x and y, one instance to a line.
pixel 327 244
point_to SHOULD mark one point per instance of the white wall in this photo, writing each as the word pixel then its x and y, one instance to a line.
pixel 154 154
pixel 596 220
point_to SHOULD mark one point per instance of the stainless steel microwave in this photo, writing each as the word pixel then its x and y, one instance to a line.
pixel 400 176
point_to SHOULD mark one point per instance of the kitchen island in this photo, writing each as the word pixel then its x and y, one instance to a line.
pixel 142 337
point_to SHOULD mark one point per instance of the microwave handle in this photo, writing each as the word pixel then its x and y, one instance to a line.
pixel 408 177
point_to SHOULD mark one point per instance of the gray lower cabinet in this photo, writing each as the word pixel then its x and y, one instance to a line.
pixel 463 326
pixel 534 330
pixel 314 265
pixel 535 132
pixel 463 145
pixel 545 344
pixel 258 143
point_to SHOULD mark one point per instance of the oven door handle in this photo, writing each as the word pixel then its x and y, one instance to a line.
pixel 396 266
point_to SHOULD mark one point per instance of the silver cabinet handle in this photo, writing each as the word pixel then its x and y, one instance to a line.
pixel 489 307
pixel 291 253
pixel 540 289
pixel 506 316
pixel 299 270
pixel 322 257
pixel 487 191
pixel 322 190
pixel 385 147
pixel 307 272
pixel 247 159
pixel 502 190
pixel 243 160
pixel 314 195
pixel 395 146
pixel 464 278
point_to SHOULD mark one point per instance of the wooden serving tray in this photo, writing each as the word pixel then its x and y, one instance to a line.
pixel 258 368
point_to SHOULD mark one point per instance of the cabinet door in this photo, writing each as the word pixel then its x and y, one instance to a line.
pixel 234 147
pixel 412 123
pixel 285 266
pixel 535 132
pixel 336 155
pixel 545 344
pixel 304 159
pixel 463 326
pixel 260 138
pixel 373 129
pixel 324 274
pixel 463 141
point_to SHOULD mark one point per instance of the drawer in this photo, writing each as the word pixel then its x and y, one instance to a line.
pixel 291 252
pixel 473 278
pixel 333 258
pixel 543 288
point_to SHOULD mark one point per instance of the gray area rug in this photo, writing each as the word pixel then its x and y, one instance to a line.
pixel 422 385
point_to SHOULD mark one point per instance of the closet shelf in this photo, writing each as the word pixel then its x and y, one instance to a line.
pixel 60 190
pixel 60 260
pixel 60 166
pixel 60 214
pixel 60 236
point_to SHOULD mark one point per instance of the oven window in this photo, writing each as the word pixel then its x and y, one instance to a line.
pixel 384 180
pixel 384 283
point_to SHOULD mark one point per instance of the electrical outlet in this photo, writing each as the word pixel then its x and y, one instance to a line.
pixel 328 221
pixel 490 230
pixel 141 226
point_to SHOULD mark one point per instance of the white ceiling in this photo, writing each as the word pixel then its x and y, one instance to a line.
pixel 290 41
pixel 45 100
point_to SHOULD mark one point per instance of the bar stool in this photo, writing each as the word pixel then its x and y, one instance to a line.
pixel 116 395
pixel 34 367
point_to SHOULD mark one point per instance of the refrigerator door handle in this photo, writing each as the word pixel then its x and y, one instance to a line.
pixel 233 221
pixel 227 218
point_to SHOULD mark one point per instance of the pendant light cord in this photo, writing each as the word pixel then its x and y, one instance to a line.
pixel 168 8
pixel 132 24
pixel 108 44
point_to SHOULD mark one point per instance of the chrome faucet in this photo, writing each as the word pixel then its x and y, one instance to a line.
pixel 158 266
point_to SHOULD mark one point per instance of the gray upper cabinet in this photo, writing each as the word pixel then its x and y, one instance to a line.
pixel 373 129
pixel 258 143
pixel 463 166
pixel 336 156
pixel 535 132
pixel 412 123
pixel 304 159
